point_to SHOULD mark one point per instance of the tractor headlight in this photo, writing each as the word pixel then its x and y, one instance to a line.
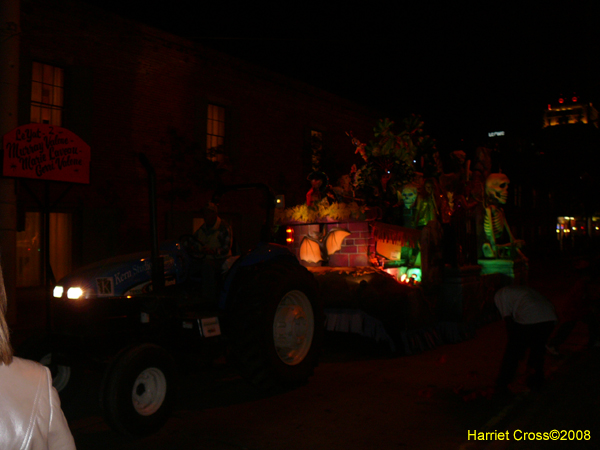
pixel 58 291
pixel 74 293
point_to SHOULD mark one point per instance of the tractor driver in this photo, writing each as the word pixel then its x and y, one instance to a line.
pixel 214 234
pixel 214 241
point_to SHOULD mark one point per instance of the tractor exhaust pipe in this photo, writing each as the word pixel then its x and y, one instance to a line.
pixel 158 267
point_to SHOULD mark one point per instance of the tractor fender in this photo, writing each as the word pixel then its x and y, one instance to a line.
pixel 263 253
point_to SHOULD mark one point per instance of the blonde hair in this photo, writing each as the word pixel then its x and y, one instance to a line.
pixel 6 352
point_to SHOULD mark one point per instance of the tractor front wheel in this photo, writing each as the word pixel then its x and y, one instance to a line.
pixel 138 390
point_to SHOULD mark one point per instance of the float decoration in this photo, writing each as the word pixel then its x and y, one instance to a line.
pixel 419 232
pixel 323 211
pixel 494 220
pixel 320 188
pixel 315 247
pixel 388 163
pixel 405 237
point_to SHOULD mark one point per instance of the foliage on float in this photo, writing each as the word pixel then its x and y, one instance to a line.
pixel 321 212
pixel 389 160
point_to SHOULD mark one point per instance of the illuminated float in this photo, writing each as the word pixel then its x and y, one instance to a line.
pixel 405 252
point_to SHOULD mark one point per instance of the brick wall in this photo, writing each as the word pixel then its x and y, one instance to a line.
pixel 355 248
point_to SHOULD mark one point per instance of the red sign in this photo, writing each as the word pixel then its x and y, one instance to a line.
pixel 46 152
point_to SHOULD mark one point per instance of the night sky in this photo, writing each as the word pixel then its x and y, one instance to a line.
pixel 465 70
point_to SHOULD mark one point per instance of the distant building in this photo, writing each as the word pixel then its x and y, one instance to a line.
pixel 570 110
pixel 570 140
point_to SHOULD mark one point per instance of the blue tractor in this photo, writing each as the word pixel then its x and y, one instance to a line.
pixel 134 315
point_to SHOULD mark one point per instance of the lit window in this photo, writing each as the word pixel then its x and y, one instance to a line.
pixel 215 133
pixel 47 94
pixel 30 248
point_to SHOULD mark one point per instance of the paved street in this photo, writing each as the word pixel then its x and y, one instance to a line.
pixel 361 397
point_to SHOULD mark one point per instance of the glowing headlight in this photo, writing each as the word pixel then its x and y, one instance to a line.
pixel 74 292
pixel 58 291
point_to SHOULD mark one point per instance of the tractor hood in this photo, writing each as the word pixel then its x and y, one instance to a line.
pixel 122 275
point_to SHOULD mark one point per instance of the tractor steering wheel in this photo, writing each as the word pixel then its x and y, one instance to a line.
pixel 192 246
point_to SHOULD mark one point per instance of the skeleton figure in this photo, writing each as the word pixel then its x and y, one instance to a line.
pixel 494 222
pixel 409 195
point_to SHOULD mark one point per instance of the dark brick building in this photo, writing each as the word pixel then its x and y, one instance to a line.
pixel 201 117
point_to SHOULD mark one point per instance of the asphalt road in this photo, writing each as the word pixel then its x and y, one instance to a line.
pixel 362 397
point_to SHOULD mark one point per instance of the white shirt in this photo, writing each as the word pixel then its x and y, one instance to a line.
pixel 30 413
pixel 524 304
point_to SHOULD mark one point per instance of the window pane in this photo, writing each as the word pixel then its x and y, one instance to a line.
pixel 60 244
pixel 29 252
pixel 58 76
pixel 29 248
pixel 58 96
pixel 48 73
pixel 35 114
pixel 215 133
pixel 45 115
pixel 36 92
pixel 46 95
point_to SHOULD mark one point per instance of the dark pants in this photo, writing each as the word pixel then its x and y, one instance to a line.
pixel 521 338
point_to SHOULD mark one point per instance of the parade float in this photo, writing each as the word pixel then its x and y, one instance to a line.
pixel 405 251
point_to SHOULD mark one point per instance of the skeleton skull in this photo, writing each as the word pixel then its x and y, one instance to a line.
pixel 409 195
pixel 496 187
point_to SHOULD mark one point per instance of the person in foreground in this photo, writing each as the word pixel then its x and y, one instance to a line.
pixel 30 413
pixel 530 318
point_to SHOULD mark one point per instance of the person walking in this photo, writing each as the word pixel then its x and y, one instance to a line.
pixel 30 413
pixel 530 318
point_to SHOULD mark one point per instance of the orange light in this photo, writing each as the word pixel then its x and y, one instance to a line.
pixel 403 278
pixel 289 235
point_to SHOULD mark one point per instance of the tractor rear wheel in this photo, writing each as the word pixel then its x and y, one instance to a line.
pixel 278 324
